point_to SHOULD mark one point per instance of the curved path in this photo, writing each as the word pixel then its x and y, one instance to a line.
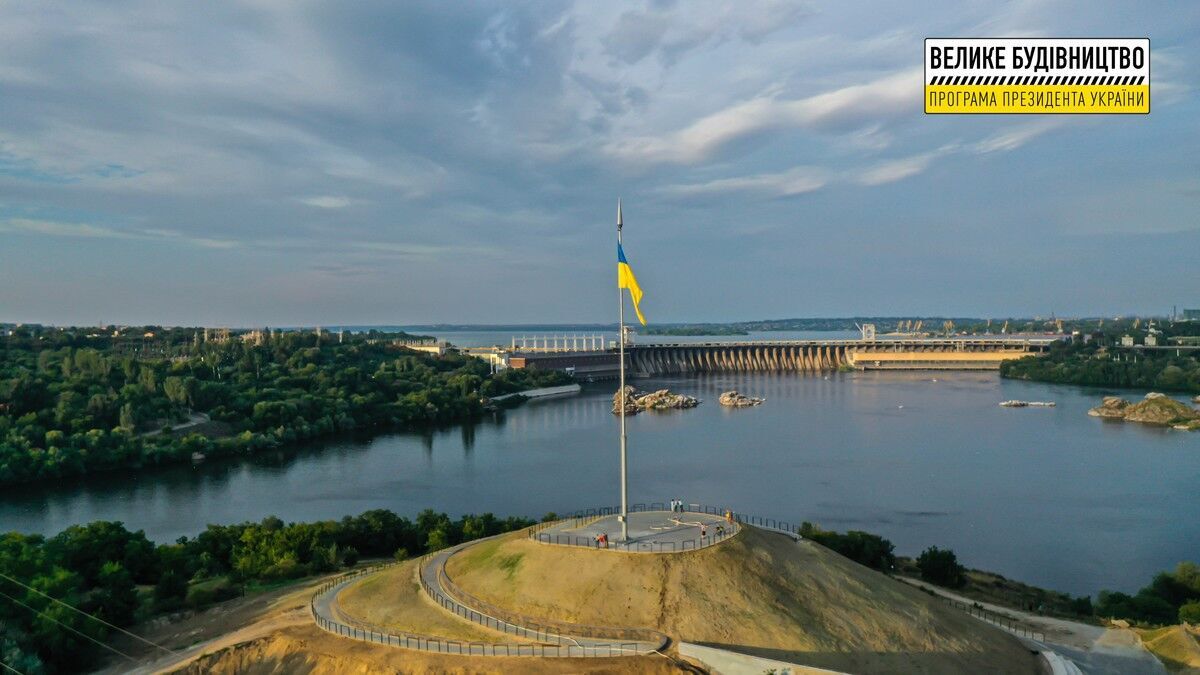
pixel 546 642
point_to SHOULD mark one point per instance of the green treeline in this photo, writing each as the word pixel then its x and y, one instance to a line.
pixel 863 548
pixel 71 403
pixel 694 329
pixel 1170 597
pixel 1102 365
pixel 123 578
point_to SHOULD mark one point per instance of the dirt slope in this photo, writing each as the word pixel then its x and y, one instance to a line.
pixel 1176 646
pixel 759 593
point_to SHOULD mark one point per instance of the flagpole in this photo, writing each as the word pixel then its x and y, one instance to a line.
pixel 621 356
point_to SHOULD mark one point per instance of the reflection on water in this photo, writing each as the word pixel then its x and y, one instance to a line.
pixel 1048 496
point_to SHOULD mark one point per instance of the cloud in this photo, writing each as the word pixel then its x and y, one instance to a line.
pixel 56 228
pixel 672 30
pixel 847 108
pixel 898 169
pixel 1012 138
pixel 53 228
pixel 327 202
pixel 783 184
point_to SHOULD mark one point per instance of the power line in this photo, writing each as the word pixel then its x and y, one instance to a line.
pixel 77 632
pixel 10 668
pixel 94 618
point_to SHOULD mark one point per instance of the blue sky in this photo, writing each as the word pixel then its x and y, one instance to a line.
pixel 298 163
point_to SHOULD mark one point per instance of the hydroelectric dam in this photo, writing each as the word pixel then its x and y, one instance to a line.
pixel 824 355
pixel 590 359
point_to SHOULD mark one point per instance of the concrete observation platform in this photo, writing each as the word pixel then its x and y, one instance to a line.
pixel 649 531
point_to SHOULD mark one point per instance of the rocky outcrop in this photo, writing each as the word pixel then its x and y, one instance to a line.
pixel 1111 407
pixel 737 400
pixel 1155 408
pixel 662 399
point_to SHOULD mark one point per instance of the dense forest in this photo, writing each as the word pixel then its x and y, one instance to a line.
pixel 121 577
pixel 75 401
pixel 1100 361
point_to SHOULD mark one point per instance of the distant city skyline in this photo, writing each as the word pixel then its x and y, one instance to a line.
pixel 430 163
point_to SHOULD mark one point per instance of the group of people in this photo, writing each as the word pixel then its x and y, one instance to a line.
pixel 677 505
pixel 602 540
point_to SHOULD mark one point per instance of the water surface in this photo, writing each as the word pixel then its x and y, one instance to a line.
pixel 1048 496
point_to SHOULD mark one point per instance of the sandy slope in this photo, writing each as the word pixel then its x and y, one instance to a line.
pixel 1177 646
pixel 759 593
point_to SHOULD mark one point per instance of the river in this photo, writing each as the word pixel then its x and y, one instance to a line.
pixel 1046 496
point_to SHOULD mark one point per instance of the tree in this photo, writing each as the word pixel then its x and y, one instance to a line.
pixel 128 420
pixel 1190 613
pixel 116 598
pixel 941 567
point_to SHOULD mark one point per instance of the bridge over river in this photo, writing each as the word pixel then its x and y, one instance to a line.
pixel 953 353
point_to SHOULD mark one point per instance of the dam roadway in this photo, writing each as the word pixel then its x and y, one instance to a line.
pixel 952 353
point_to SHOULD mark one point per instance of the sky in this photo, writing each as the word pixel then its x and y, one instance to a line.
pixel 323 163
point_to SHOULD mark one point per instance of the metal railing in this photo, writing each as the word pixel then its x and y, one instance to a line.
pixel 707 509
pixel 638 546
pixel 995 618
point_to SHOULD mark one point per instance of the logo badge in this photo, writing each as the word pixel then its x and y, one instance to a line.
pixel 1037 75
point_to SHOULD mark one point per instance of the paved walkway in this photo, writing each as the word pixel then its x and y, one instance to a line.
pixel 1096 650
pixel 656 531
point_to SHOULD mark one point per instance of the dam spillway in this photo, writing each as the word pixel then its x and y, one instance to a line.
pixel 650 359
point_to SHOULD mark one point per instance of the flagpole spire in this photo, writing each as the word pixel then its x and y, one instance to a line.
pixel 621 355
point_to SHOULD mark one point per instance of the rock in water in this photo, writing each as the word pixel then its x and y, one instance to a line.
pixel 1111 407
pixel 737 400
pixel 663 399
pixel 1160 409
pixel 1156 408
pixel 630 401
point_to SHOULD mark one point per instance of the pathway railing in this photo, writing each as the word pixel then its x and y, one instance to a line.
pixel 776 524
pixel 994 618
pixel 560 539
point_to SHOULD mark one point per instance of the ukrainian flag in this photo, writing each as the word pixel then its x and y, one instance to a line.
pixel 625 279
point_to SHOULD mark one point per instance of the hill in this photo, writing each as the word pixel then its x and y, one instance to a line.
pixel 759 593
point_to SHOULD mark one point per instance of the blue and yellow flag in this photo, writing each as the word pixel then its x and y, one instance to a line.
pixel 625 279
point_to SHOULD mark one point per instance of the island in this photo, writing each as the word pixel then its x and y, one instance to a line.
pixel 662 399
pixel 1155 408
pixel 734 399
